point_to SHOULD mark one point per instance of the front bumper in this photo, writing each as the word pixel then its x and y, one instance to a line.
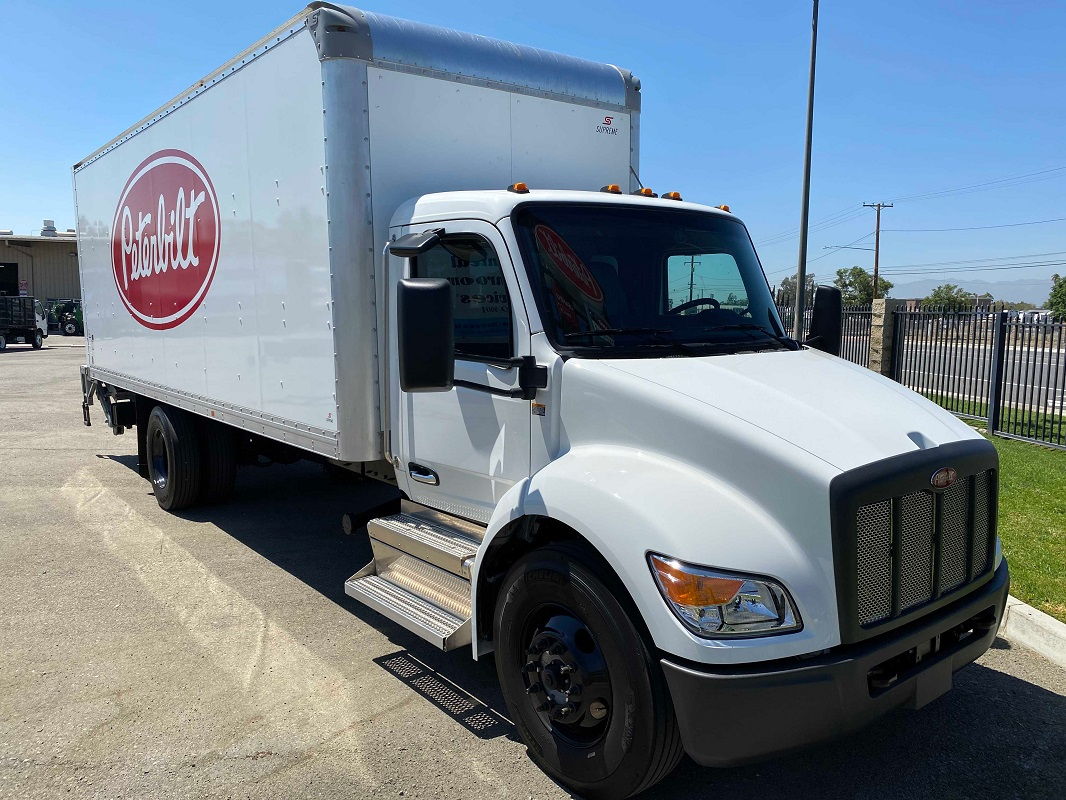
pixel 792 703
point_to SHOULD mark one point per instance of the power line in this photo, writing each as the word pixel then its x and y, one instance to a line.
pixel 1043 264
pixel 997 183
pixel 975 227
pixel 976 260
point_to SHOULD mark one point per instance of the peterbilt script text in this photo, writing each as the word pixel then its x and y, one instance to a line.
pixel 149 249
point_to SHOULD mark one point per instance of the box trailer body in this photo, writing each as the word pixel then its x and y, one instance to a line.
pixel 427 256
pixel 301 163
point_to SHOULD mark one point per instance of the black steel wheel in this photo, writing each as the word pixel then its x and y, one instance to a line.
pixel 70 329
pixel 38 340
pixel 173 451
pixel 579 679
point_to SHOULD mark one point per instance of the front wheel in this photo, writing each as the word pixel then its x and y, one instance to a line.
pixel 38 340
pixel 70 329
pixel 579 680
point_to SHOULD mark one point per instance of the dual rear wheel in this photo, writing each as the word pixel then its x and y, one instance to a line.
pixel 190 460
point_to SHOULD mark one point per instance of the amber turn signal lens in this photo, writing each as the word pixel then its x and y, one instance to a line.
pixel 689 589
pixel 671 195
pixel 613 188
pixel 519 188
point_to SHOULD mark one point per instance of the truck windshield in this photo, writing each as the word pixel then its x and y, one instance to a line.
pixel 623 280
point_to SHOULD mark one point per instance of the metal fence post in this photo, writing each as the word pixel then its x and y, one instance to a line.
pixel 882 325
pixel 995 385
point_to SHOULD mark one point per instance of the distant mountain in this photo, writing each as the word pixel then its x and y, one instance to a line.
pixel 1031 290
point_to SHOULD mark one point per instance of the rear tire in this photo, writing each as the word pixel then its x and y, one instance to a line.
pixel 3 342
pixel 173 449
pixel 557 627
pixel 218 448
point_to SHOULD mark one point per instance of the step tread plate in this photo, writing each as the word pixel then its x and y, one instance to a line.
pixel 436 536
pixel 406 608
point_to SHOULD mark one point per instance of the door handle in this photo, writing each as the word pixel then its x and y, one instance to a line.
pixel 423 474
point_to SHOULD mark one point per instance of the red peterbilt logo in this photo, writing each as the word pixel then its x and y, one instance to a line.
pixel 165 239
pixel 566 263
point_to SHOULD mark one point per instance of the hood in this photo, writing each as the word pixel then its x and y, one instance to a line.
pixel 837 411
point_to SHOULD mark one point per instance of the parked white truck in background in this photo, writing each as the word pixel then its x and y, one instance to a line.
pixel 676 527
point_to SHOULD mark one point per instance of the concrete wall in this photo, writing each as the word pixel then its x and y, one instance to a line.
pixel 49 264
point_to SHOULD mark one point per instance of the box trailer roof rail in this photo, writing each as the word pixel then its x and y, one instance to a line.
pixel 403 45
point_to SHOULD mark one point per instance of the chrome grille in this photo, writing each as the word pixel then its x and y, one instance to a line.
pixel 916 548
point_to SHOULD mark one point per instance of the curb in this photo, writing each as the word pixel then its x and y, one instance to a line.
pixel 1034 629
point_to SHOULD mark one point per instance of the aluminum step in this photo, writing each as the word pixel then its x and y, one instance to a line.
pixel 426 600
pixel 450 546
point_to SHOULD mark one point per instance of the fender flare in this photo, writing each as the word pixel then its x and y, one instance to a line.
pixel 599 490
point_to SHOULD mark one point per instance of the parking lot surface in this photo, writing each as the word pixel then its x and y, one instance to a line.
pixel 214 653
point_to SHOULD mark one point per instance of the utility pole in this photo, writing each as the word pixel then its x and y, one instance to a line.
pixel 877 241
pixel 691 275
pixel 801 268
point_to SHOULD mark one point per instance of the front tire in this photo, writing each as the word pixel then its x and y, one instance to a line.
pixel 579 680
pixel 70 329
pixel 173 450
pixel 38 340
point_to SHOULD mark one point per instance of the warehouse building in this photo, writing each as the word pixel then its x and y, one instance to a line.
pixel 43 266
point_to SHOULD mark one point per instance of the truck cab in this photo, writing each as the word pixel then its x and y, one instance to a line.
pixel 604 378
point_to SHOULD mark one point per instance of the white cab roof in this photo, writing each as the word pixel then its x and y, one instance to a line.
pixel 492 205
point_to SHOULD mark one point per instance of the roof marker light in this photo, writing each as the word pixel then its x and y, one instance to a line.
pixel 518 188
pixel 645 192
pixel 612 188
pixel 672 196
pixel 725 208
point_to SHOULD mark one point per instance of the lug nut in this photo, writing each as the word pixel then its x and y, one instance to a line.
pixel 566 669
pixel 566 710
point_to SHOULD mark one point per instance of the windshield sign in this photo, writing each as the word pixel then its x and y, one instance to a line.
pixel 633 281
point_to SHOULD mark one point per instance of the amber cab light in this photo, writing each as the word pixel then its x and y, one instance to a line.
pixel 518 188
pixel 645 192
pixel 724 208
pixel 612 188
pixel 672 196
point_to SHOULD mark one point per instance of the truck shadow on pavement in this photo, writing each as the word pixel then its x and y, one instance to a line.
pixel 994 735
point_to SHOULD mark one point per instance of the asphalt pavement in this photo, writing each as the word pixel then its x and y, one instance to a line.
pixel 214 654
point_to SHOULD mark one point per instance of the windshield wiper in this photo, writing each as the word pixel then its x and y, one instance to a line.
pixel 613 332
pixel 751 326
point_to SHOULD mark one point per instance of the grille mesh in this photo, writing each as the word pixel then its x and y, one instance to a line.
pixel 875 561
pixel 943 540
pixel 916 551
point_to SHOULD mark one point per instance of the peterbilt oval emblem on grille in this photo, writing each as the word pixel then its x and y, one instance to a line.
pixel 943 478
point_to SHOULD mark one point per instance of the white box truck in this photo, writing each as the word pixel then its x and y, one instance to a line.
pixel 426 256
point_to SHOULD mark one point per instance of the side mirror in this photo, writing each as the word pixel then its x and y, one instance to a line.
pixel 827 320
pixel 425 334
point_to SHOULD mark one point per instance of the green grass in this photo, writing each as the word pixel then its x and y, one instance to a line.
pixel 1015 421
pixel 1032 522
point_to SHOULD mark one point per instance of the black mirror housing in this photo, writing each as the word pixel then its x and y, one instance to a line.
pixel 827 320
pixel 425 334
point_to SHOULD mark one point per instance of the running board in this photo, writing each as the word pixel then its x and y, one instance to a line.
pixel 420 575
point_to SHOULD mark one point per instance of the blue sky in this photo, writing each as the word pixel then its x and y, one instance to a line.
pixel 913 97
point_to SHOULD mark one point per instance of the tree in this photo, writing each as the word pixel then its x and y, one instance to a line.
pixel 1056 302
pixel 856 286
pixel 948 294
pixel 786 293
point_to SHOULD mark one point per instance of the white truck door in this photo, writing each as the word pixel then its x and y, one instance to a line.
pixel 461 450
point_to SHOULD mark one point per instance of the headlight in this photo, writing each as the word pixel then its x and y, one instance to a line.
pixel 720 604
